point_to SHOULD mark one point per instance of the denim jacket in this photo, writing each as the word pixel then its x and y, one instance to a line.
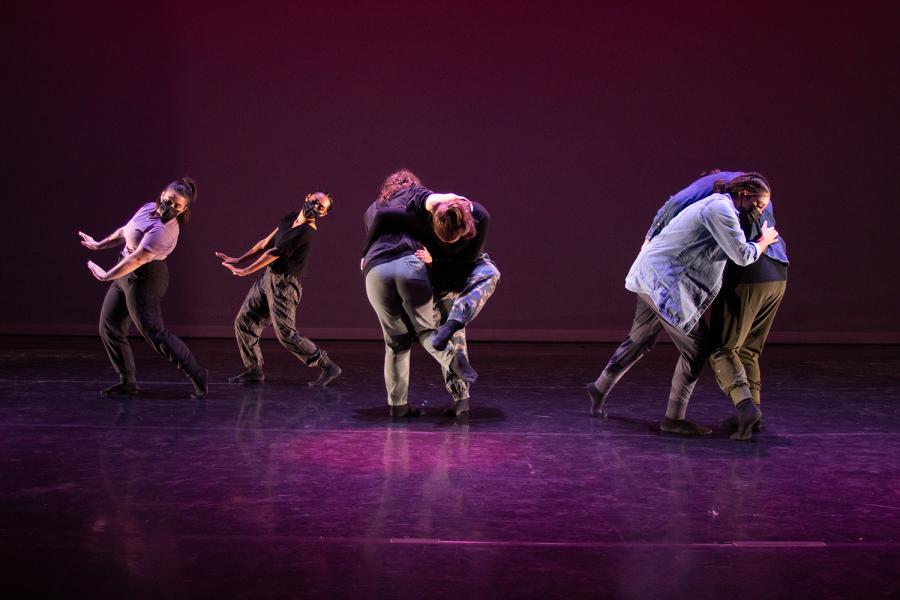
pixel 681 269
pixel 701 189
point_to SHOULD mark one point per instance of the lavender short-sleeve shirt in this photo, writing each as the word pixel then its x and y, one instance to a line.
pixel 146 231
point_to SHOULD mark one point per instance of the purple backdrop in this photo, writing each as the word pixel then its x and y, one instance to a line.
pixel 572 123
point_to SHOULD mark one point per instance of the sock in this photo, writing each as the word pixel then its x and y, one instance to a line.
pixel 444 333
pixel 405 410
pixel 201 384
pixel 123 388
pixel 598 398
pixel 459 408
pixel 683 427
pixel 253 374
pixel 748 416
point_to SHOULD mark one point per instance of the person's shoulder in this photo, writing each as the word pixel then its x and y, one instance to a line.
pixel 416 193
pixel 145 210
pixel 720 203
pixel 291 215
pixel 479 212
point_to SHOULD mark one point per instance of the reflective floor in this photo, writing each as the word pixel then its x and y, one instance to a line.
pixel 278 490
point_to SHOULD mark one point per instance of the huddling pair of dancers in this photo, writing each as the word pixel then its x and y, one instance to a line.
pixel 427 277
pixel 408 228
pixel 696 255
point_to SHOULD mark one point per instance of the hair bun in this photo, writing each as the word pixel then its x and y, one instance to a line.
pixel 190 184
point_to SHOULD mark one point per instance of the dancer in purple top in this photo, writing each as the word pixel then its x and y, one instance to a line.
pixel 139 281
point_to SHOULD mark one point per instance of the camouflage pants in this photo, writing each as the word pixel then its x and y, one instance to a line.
pixel 273 299
pixel 463 304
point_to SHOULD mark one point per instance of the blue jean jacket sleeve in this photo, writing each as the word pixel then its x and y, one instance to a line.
pixel 720 219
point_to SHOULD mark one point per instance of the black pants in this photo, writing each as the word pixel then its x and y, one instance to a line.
pixel 137 298
pixel 273 299
pixel 693 348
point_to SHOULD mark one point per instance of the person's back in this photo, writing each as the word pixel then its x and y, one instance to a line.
pixel 681 269
pixel 698 190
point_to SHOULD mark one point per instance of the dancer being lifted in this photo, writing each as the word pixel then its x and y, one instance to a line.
pixel 399 288
pixel 274 297
pixel 139 282
pixel 676 276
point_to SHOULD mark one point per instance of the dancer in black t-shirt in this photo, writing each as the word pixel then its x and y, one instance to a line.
pixel 275 296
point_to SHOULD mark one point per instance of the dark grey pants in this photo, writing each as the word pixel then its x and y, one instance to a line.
pixel 273 299
pixel 693 347
pixel 400 293
pixel 137 298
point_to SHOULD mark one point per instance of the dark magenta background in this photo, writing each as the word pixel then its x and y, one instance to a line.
pixel 571 122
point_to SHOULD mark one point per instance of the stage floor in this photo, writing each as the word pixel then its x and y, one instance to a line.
pixel 278 490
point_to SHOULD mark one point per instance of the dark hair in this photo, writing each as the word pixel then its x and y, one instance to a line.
pixel 452 220
pixel 395 182
pixel 754 184
pixel 710 172
pixel 321 196
pixel 187 188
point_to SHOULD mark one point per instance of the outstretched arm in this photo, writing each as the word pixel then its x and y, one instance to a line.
pixel 264 260
pixel 254 250
pixel 123 267
pixel 116 238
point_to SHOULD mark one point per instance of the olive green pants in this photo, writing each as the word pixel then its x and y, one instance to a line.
pixel 740 319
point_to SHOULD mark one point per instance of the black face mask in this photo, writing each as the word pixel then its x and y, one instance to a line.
pixel 166 211
pixel 752 213
pixel 311 209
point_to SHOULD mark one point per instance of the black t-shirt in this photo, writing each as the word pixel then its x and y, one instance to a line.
pixel 291 245
pixel 386 242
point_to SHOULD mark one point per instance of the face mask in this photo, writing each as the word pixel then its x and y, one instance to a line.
pixel 751 213
pixel 166 211
pixel 311 209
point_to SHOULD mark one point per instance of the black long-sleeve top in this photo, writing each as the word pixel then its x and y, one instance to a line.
pixel 452 262
pixel 385 243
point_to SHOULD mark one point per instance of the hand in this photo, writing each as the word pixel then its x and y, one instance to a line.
pixel 432 202
pixel 96 271
pixel 227 259
pixel 465 202
pixel 424 255
pixel 89 242
pixel 234 270
pixel 769 235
